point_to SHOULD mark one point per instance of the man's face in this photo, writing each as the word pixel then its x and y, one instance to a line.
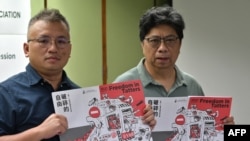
pixel 48 46
pixel 161 47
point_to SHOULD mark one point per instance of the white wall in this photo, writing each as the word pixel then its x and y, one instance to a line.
pixel 14 18
pixel 216 49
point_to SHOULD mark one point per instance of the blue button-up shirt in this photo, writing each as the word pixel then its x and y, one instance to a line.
pixel 25 101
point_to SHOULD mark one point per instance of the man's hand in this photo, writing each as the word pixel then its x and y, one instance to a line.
pixel 55 124
pixel 229 120
pixel 149 117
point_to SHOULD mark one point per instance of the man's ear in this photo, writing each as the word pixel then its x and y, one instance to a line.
pixel 26 49
pixel 142 44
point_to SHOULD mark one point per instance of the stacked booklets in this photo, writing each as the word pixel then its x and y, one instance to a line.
pixel 110 112
pixel 194 118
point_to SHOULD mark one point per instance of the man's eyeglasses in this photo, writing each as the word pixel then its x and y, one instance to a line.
pixel 47 41
pixel 155 41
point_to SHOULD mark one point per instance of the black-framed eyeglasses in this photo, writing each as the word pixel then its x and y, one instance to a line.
pixel 155 41
pixel 46 42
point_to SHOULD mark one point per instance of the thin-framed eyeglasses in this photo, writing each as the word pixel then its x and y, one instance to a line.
pixel 155 41
pixel 46 42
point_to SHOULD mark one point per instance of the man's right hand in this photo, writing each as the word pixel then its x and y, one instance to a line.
pixel 55 124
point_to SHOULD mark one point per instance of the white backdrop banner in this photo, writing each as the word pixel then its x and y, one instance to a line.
pixel 14 18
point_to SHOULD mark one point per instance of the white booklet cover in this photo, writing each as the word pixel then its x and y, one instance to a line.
pixel 193 118
pixel 110 112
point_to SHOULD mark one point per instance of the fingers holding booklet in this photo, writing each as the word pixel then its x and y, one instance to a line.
pixel 148 116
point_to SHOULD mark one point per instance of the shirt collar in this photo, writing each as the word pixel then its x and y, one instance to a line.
pixel 32 75
pixel 147 79
pixel 34 78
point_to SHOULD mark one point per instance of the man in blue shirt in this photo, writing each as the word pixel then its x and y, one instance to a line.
pixel 26 107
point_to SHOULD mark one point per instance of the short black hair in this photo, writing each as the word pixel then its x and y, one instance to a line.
pixel 50 15
pixel 161 15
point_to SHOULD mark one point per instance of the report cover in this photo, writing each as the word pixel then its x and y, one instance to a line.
pixel 193 118
pixel 110 112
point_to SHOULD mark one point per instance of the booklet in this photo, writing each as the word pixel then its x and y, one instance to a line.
pixel 110 112
pixel 193 118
